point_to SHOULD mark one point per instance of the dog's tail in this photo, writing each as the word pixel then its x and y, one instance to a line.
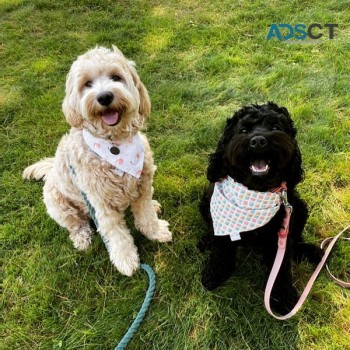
pixel 38 170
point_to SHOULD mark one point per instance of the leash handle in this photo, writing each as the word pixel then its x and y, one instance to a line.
pixel 276 267
pixel 335 279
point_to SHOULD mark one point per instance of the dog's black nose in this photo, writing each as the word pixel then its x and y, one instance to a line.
pixel 105 98
pixel 258 142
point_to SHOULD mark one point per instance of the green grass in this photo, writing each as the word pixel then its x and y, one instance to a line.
pixel 200 60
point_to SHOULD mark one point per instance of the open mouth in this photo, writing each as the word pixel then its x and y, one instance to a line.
pixel 110 116
pixel 260 167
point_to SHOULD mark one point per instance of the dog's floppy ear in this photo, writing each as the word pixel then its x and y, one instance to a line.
pixel 296 173
pixel 69 104
pixel 217 169
pixel 145 102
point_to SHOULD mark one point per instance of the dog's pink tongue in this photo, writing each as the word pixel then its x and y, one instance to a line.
pixel 260 164
pixel 110 117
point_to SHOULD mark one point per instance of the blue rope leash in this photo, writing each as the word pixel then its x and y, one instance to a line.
pixel 144 307
pixel 151 285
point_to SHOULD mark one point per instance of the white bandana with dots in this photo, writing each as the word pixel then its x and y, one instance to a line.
pixel 126 156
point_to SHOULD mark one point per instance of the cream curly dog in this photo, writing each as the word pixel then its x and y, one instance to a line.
pixel 104 158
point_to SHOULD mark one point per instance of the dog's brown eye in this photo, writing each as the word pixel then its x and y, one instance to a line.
pixel 243 131
pixel 88 83
pixel 275 128
pixel 116 78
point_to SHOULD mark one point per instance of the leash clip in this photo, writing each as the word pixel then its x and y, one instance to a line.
pixel 284 199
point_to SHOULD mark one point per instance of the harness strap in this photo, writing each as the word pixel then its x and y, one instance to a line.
pixel 282 243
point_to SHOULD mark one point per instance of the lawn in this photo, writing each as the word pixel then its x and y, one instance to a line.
pixel 200 60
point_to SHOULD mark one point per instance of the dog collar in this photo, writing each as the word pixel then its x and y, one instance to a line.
pixel 235 209
pixel 126 156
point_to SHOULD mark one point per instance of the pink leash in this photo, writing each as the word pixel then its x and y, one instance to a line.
pixel 282 243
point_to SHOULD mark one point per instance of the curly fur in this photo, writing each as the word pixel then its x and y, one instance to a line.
pixel 98 71
pixel 235 156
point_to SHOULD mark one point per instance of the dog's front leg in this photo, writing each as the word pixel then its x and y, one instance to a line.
pixel 221 262
pixel 146 219
pixel 116 236
pixel 119 242
pixel 145 212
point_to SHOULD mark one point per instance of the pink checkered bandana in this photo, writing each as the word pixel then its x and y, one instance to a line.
pixel 236 209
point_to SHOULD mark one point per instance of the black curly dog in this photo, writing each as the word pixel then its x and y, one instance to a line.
pixel 258 149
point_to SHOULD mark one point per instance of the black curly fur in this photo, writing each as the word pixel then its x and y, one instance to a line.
pixel 233 157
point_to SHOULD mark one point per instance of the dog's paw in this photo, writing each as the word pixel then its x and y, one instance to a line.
pixel 283 300
pixel 157 206
pixel 162 234
pixel 81 238
pixel 209 280
pixel 213 276
pixel 126 262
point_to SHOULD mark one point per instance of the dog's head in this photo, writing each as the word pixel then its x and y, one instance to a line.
pixel 258 149
pixel 105 94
